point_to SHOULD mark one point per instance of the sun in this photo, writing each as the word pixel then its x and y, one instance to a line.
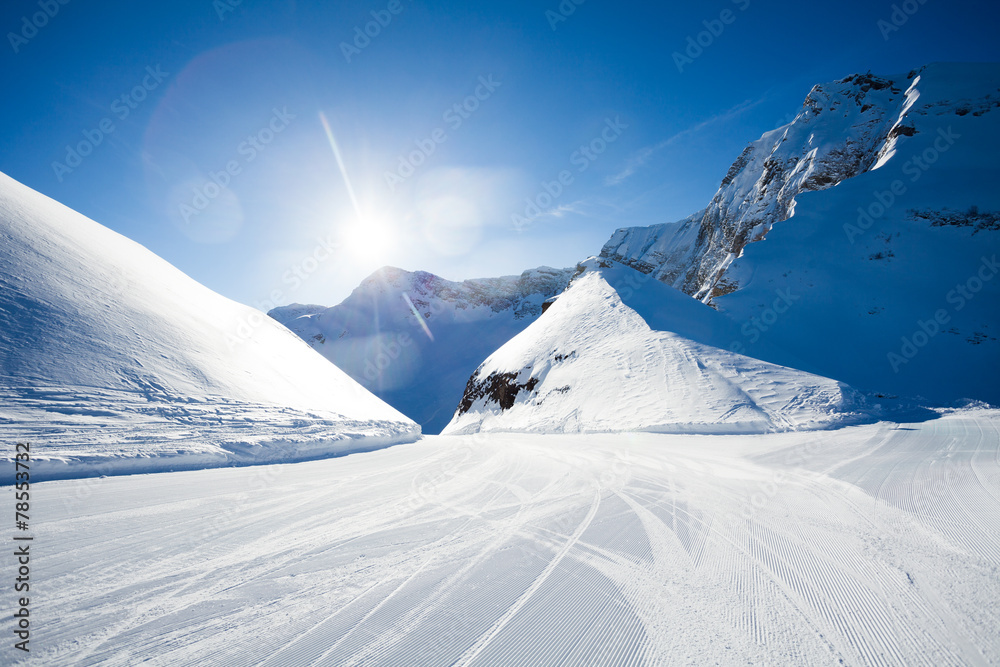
pixel 370 239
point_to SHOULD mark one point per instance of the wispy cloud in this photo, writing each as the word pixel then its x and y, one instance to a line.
pixel 577 207
pixel 642 156
pixel 594 208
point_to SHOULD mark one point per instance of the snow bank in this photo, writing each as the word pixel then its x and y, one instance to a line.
pixel 110 356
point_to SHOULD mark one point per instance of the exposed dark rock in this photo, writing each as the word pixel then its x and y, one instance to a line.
pixel 904 130
pixel 499 388
pixel 971 217
pixel 738 165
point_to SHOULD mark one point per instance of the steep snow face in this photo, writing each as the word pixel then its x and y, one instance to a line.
pixel 894 274
pixel 842 130
pixel 107 352
pixel 887 281
pixel 592 363
pixel 414 338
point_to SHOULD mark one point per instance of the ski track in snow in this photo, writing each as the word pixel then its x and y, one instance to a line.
pixel 867 545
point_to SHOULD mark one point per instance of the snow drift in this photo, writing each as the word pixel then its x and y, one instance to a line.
pixel 112 360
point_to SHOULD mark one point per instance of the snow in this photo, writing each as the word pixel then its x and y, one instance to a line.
pixel 863 167
pixel 413 338
pixel 841 130
pixel 866 285
pixel 112 360
pixel 620 484
pixel 867 545
pixel 592 363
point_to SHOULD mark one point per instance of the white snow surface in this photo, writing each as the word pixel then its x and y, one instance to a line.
pixel 872 210
pixel 591 363
pixel 413 338
pixel 112 360
pixel 895 272
pixel 867 545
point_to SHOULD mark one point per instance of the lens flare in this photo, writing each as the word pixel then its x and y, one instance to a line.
pixel 420 318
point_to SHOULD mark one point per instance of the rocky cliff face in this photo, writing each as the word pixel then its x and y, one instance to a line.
pixel 843 129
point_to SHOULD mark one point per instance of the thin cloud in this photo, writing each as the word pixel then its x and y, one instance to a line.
pixel 594 208
pixel 641 157
pixel 561 210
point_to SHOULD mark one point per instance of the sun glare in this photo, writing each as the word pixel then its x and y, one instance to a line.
pixel 370 238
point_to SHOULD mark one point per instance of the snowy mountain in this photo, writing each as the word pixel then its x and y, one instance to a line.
pixel 593 363
pixel 881 219
pixel 112 360
pixel 413 338
pixel 859 241
pixel 842 130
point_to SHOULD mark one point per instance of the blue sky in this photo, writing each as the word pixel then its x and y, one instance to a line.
pixel 452 123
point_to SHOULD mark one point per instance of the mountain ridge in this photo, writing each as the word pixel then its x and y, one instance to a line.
pixel 413 337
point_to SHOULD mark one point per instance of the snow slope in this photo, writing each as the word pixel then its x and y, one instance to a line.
pixel 868 214
pixel 413 338
pixel 112 360
pixel 868 545
pixel 592 363
pixel 895 272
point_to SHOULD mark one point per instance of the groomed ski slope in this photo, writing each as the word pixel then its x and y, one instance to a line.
pixel 868 545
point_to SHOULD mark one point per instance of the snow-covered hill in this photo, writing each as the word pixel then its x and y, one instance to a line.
pixel 112 360
pixel 592 363
pixel 414 338
pixel 885 281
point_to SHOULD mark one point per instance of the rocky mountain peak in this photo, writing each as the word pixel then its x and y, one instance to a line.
pixel 843 129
